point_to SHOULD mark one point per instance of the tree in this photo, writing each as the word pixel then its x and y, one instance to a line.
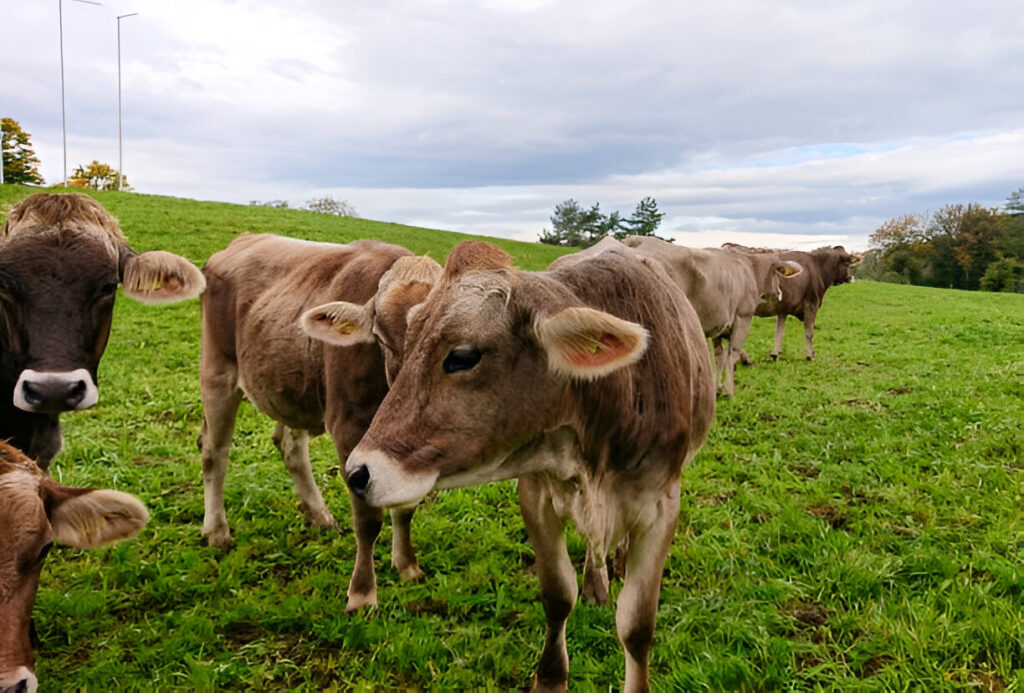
pixel 645 220
pixel 97 176
pixel 1015 203
pixel 570 225
pixel 20 164
pixel 573 226
pixel 328 205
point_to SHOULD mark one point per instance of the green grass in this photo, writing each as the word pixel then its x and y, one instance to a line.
pixel 854 523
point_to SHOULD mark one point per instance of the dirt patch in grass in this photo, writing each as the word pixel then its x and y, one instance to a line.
pixel 809 614
pixel 829 513
pixel 713 499
pixel 428 607
pixel 873 665
pixel 899 390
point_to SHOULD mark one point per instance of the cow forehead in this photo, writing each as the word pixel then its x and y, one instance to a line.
pixel 479 300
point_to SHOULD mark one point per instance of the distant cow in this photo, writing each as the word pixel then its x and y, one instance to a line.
pixel 803 294
pixel 61 259
pixel 589 382
pixel 724 287
pixel 253 343
pixel 35 510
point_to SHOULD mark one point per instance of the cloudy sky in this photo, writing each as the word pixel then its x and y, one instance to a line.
pixel 786 123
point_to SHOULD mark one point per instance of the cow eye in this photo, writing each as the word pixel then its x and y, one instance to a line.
pixel 461 359
pixel 106 290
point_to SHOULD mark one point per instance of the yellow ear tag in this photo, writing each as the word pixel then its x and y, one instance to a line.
pixel 157 283
pixel 344 327
pixel 789 271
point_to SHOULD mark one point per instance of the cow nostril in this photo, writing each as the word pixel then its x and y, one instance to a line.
pixel 359 480
pixel 19 687
pixel 32 396
pixel 76 393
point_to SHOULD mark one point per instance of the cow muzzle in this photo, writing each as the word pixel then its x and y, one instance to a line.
pixel 21 680
pixel 54 392
pixel 381 481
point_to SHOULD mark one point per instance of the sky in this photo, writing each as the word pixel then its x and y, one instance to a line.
pixel 781 123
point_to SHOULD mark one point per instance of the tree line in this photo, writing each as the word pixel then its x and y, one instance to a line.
pixel 959 246
pixel 574 226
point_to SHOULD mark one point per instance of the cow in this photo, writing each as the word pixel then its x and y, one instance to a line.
pixel 802 294
pixel 724 287
pixel 260 295
pixel 590 382
pixel 62 257
pixel 35 510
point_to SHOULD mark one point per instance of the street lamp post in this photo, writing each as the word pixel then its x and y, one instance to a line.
pixel 63 110
pixel 120 146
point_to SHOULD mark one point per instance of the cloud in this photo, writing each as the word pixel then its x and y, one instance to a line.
pixel 784 117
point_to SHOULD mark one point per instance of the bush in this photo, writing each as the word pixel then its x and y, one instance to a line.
pixel 1005 274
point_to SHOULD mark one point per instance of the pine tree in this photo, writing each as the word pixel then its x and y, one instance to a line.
pixel 20 164
pixel 645 220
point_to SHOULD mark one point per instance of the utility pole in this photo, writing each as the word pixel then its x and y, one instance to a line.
pixel 120 145
pixel 63 110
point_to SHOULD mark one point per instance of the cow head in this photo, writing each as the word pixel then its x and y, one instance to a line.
pixel 835 265
pixel 34 511
pixel 382 319
pixel 61 260
pixel 490 357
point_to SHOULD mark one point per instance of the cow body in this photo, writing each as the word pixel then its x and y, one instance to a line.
pixel 802 295
pixel 35 510
pixel 724 287
pixel 61 260
pixel 258 288
pixel 589 382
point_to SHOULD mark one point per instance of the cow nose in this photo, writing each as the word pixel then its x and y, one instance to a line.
pixel 54 395
pixel 359 480
pixel 19 687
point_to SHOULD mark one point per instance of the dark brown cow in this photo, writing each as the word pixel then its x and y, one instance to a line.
pixel 724 288
pixel 34 511
pixel 802 295
pixel 61 259
pixel 260 297
pixel 589 382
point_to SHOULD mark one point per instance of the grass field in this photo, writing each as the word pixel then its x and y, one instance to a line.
pixel 854 523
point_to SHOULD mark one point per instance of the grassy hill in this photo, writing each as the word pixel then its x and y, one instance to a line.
pixel 853 523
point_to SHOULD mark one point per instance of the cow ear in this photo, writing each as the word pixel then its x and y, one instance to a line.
pixel 160 277
pixel 584 343
pixel 340 323
pixel 788 268
pixel 87 518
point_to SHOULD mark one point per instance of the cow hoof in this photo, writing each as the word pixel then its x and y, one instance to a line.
pixel 360 601
pixel 811 357
pixel 219 540
pixel 410 572
pixel 539 687
pixel 775 357
pixel 323 519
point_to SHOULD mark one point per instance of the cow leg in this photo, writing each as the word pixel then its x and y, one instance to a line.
pixel 637 605
pixel 738 335
pixel 221 398
pixel 780 332
pixel 718 361
pixel 294 448
pixel 367 521
pixel 403 554
pixel 558 587
pixel 595 577
pixel 810 313
pixel 745 358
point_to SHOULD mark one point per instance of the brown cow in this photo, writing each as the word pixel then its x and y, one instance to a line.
pixel 35 510
pixel 590 382
pixel 724 287
pixel 253 343
pixel 61 259
pixel 802 295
